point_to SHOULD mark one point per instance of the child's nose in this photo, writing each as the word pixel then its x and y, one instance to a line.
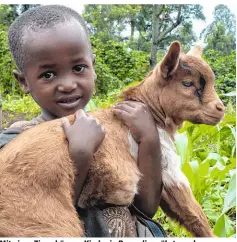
pixel 67 86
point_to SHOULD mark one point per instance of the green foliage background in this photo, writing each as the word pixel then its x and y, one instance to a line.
pixel 224 67
pixel 116 65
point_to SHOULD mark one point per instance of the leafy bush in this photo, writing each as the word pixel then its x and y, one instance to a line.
pixel 8 84
pixel 116 65
pixel 18 104
pixel 224 68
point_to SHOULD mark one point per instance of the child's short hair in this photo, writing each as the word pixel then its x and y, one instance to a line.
pixel 41 17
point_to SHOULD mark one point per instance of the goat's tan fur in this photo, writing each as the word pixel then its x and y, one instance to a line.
pixel 37 174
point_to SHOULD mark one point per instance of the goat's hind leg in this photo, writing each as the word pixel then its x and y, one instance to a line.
pixel 179 203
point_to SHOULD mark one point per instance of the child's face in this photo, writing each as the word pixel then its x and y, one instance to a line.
pixel 59 72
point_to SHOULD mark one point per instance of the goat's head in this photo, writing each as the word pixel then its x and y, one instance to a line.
pixel 186 87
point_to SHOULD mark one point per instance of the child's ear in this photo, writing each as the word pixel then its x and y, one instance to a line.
pixel 22 81
pixel 93 58
pixel 93 61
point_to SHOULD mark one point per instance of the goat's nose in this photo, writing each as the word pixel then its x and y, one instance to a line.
pixel 220 107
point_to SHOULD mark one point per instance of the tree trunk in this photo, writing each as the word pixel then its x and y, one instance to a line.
pixel 157 10
pixel 157 34
pixel 132 24
pixel 153 61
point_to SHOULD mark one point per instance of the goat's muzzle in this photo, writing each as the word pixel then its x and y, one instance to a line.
pixel 214 112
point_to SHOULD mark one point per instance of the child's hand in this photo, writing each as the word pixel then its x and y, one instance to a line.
pixel 85 135
pixel 143 129
pixel 138 118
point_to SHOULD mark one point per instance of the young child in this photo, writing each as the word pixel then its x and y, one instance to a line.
pixel 51 48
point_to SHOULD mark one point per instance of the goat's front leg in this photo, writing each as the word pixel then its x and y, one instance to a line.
pixel 179 203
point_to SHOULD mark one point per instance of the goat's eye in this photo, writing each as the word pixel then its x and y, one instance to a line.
pixel 187 83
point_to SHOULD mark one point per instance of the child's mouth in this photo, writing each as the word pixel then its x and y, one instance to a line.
pixel 69 102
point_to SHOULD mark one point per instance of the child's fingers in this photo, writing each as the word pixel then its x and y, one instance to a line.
pixel 122 115
pixel 65 124
pixel 129 103
pixel 124 107
pixel 80 113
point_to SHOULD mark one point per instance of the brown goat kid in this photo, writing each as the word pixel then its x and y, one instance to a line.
pixel 37 174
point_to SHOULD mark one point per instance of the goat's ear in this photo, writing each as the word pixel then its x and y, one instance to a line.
pixel 170 60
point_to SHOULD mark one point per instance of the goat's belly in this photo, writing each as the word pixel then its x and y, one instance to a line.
pixel 172 174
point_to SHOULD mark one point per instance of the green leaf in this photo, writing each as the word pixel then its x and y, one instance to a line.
pixel 204 168
pixel 232 130
pixel 214 172
pixel 230 94
pixel 183 146
pixel 202 154
pixel 223 226
pixel 230 197
pixel 214 158
pixel 189 173
pixel 195 166
pixel 212 215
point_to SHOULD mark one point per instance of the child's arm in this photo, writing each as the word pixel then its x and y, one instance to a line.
pixel 150 186
pixel 143 129
pixel 85 136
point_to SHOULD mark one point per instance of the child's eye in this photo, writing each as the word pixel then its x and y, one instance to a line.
pixel 79 68
pixel 48 75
